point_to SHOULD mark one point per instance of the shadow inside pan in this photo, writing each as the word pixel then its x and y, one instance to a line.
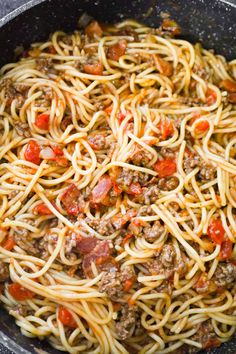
pixel 211 22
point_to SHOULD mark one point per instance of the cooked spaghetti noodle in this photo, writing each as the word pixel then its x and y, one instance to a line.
pixel 117 191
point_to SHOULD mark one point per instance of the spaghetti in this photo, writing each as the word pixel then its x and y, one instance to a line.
pixel 117 191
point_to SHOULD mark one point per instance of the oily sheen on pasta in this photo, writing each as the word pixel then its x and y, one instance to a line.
pixel 117 191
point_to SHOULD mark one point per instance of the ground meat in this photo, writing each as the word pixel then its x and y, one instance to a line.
pixel 22 129
pixel 127 177
pixel 24 240
pixel 225 275
pixel 12 92
pixel 126 323
pixel 206 335
pixel 112 282
pixel 98 141
pixel 70 242
pixel 128 31
pixel 141 157
pixel 167 153
pixel 207 172
pixel 102 226
pixel 145 210
pixel 44 242
pixel 44 65
pixel 165 287
pixel 21 310
pixel 150 232
pixel 149 195
pixel 166 262
pixel 4 272
pixel 168 183
pixel 66 121
pixel 191 101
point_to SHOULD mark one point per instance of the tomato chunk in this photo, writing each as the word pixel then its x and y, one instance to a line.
pixel 102 189
pixel 19 292
pixel 70 200
pixel 226 250
pixel 32 152
pixel 86 244
pixel 216 231
pixel 128 284
pixel 93 29
pixel 228 85
pixel 42 121
pixel 162 65
pixel 126 239
pixel 165 168
pixel 66 318
pixel 232 97
pixel 94 68
pixel 9 243
pixel 210 96
pixel 42 209
pixel 202 126
pixel 166 127
pixel 117 50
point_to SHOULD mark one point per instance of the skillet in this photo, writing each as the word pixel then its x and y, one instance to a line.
pixel 213 22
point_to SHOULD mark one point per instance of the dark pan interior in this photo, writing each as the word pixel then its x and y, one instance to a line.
pixel 213 22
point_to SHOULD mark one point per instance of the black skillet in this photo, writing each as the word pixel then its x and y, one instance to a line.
pixel 213 22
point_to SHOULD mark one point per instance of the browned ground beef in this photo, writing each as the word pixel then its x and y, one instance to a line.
pixel 12 91
pixel 4 271
pixel 149 195
pixel 141 158
pixel 127 177
pixel 98 141
pixel 225 275
pixel 102 226
pixel 166 262
pixel 126 323
pixel 112 283
pixel 168 183
pixel 22 129
pixel 207 172
pixel 205 333
pixel 44 65
pixel 167 153
pixel 25 241
pixel 150 232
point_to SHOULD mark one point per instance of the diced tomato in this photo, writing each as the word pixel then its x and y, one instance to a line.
pixel 86 244
pixel 66 318
pixel 216 231
pixel 226 250
pixel 117 50
pixel 128 284
pixel 19 292
pixel 9 243
pixel 171 26
pixel 93 29
pixel 32 152
pixel 232 97
pixel 61 161
pixel 70 200
pixel 52 50
pixel 202 285
pixel 93 69
pixel 210 96
pixel 162 65
pixel 102 189
pixel 116 306
pixel 211 343
pixel 108 110
pixel 117 190
pixel 166 127
pixel 101 256
pixel 135 189
pixel 202 126
pixel 57 150
pixel 42 121
pixel 165 168
pixel 120 117
pixel 42 209
pixel 126 239
pixel 228 85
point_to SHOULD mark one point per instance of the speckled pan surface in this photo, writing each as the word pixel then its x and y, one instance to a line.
pixel 213 22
